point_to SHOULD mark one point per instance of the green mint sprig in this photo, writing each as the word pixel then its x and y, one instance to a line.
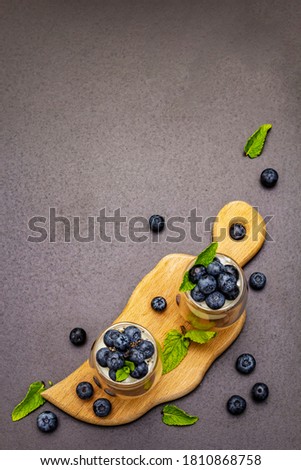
pixel 124 372
pixel 255 143
pixel 174 416
pixel 204 258
pixel 31 402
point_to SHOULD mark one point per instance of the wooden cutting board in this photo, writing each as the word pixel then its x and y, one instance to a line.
pixel 165 280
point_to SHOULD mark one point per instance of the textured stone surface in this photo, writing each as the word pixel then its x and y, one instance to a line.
pixel 146 106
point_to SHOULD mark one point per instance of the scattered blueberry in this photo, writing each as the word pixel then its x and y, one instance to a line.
pixel 269 177
pixel 147 348
pixel 226 282
pixel 115 360
pixel 159 304
pixel 215 300
pixel 47 421
pixel 77 336
pixel 156 223
pixel 197 295
pixel 257 281
pixel 196 272
pixel 102 407
pixel 140 371
pixel 133 333
pixel 260 392
pixel 136 356
pixel 236 405
pixel 122 342
pixel 233 294
pixel 102 356
pixel 110 336
pixel 84 390
pixel 215 268
pixel 112 374
pixel 207 284
pixel 230 269
pixel 245 363
pixel 237 231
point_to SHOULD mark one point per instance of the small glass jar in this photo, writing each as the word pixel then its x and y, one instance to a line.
pixel 129 388
pixel 199 315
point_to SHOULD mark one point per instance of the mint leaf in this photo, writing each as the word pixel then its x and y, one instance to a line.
pixel 174 416
pixel 122 374
pixel 130 364
pixel 200 336
pixel 175 349
pixel 255 143
pixel 31 402
pixel 204 258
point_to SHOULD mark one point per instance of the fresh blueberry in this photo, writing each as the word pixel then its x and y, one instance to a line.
pixel 47 421
pixel 196 272
pixel 147 348
pixel 133 333
pixel 84 390
pixel 245 363
pixel 215 268
pixel 110 336
pixel 122 342
pixel 237 231
pixel 159 304
pixel 260 392
pixel 230 269
pixel 215 300
pixel 207 284
pixel 156 223
pixel 226 282
pixel 197 295
pixel 77 336
pixel 102 356
pixel 257 281
pixel 136 356
pixel 102 407
pixel 140 371
pixel 112 374
pixel 236 405
pixel 269 177
pixel 115 360
pixel 233 294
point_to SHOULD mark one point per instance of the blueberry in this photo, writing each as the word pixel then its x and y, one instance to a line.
pixel 47 421
pixel 156 223
pixel 159 304
pixel 112 374
pixel 230 269
pixel 133 333
pixel 77 336
pixel 147 348
pixel 236 405
pixel 196 272
pixel 269 177
pixel 136 356
pixel 237 231
pixel 233 294
pixel 245 363
pixel 110 337
pixel 102 356
pixel 215 268
pixel 197 295
pixel 140 371
pixel 215 300
pixel 207 284
pixel 115 360
pixel 260 392
pixel 226 282
pixel 257 281
pixel 122 342
pixel 102 407
pixel 84 390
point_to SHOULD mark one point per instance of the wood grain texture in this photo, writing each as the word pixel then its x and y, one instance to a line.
pixel 192 369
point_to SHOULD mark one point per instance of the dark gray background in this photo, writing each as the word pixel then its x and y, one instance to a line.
pixel 146 106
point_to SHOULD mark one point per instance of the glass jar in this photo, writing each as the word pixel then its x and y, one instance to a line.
pixel 199 315
pixel 129 388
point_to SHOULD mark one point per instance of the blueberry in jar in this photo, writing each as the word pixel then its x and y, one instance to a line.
pixel 226 282
pixel 133 333
pixel 115 360
pixel 197 295
pixel 207 284
pixel 147 348
pixel 215 268
pixel 196 272
pixel 110 336
pixel 215 300
pixel 102 356
pixel 122 342
pixel 140 371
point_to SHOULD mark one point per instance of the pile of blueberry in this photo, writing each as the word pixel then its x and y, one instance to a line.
pixel 125 345
pixel 214 284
